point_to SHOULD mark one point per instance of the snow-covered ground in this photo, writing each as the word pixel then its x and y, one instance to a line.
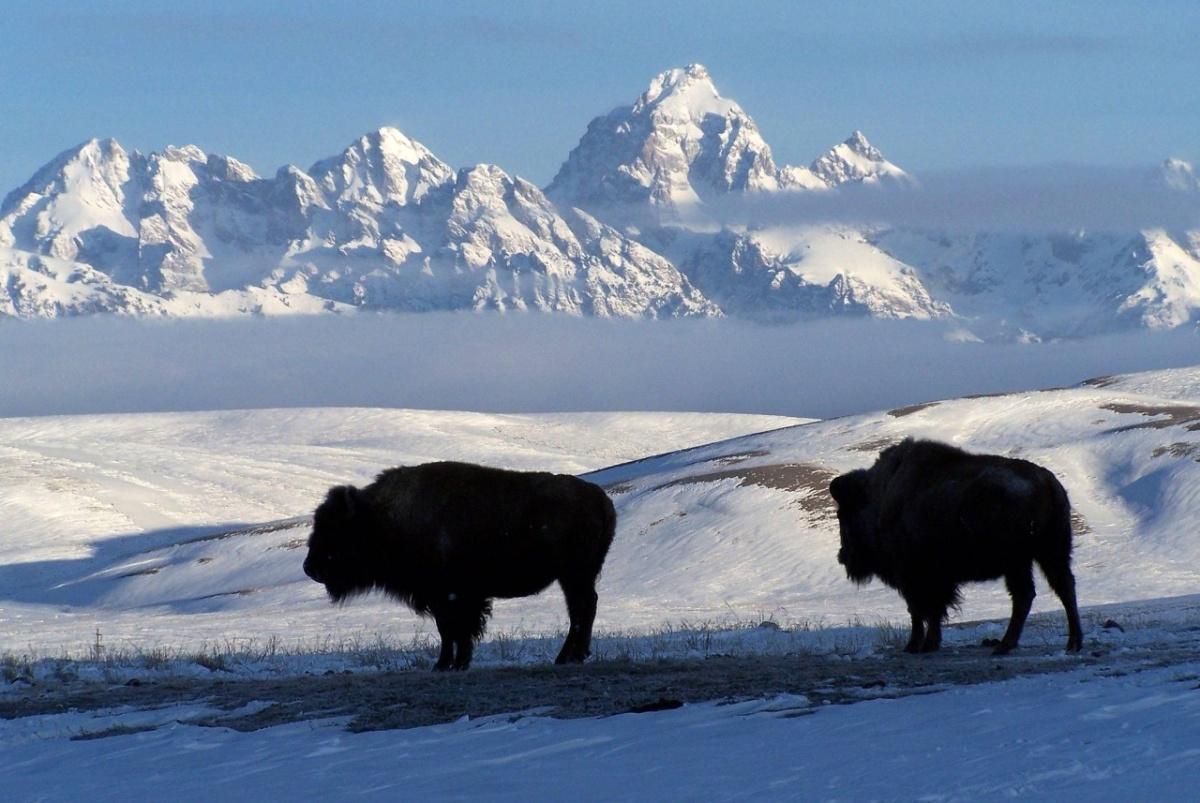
pixel 175 532
pixel 1070 737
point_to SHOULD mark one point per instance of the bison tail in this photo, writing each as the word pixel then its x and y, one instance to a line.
pixel 610 519
pixel 1056 565
pixel 608 528
pixel 1061 516
pixel 1053 545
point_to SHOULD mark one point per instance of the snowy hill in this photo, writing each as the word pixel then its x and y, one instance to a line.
pixel 200 515
pixel 672 206
pixel 153 536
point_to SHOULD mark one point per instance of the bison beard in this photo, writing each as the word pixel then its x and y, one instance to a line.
pixel 928 517
pixel 448 538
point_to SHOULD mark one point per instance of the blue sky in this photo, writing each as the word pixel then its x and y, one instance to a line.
pixel 935 85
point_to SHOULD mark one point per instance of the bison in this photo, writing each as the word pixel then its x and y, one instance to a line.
pixel 928 517
pixel 446 538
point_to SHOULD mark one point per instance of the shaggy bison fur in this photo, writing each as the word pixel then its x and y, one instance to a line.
pixel 928 517
pixel 447 538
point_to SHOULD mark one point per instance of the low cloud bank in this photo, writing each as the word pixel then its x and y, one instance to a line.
pixel 1025 200
pixel 534 363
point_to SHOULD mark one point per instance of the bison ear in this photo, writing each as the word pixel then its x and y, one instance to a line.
pixel 353 500
pixel 344 501
pixel 850 490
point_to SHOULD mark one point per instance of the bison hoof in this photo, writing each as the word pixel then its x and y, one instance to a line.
pixel 1075 645
pixel 1002 648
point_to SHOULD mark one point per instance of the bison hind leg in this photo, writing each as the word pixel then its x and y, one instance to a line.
pixel 581 608
pixel 1020 588
pixel 1062 581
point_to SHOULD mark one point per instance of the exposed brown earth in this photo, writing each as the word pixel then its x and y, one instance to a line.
pixel 379 700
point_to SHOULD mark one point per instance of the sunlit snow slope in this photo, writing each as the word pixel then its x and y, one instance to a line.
pixel 189 529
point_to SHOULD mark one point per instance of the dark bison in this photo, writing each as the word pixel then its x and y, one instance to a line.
pixel 447 538
pixel 928 517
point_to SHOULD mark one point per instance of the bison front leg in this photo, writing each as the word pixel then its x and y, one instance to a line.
pixel 449 638
pixel 917 637
pixel 933 633
pixel 927 612
pixel 460 623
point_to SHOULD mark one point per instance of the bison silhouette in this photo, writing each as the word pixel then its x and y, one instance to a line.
pixel 447 538
pixel 928 517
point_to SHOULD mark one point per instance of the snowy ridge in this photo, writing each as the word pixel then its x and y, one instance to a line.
pixel 384 225
pixel 634 224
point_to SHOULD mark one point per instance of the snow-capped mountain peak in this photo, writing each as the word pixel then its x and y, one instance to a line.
pixel 856 160
pixel 81 189
pixel 382 167
pixel 686 93
pixel 679 143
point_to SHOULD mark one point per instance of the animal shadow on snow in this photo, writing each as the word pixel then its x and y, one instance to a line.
pixel 118 562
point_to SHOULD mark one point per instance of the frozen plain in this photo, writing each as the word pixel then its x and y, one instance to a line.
pixel 111 525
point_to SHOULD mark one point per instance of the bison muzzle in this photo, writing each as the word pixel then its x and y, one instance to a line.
pixel 928 517
pixel 448 538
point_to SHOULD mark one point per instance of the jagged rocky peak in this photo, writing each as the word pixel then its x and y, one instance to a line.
pixel 296 190
pixel 172 174
pixel 856 160
pixel 226 168
pixel 82 188
pixel 382 167
pixel 100 163
pixel 680 142
pixel 188 153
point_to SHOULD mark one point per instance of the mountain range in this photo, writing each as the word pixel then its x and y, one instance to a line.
pixel 631 226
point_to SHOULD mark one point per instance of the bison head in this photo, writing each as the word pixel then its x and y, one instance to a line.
pixel 338 548
pixel 856 523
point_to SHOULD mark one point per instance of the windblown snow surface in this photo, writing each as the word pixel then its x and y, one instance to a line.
pixel 184 532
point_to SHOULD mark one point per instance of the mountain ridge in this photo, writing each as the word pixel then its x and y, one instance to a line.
pixel 628 227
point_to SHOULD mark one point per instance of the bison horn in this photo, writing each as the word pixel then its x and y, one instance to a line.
pixel 349 494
